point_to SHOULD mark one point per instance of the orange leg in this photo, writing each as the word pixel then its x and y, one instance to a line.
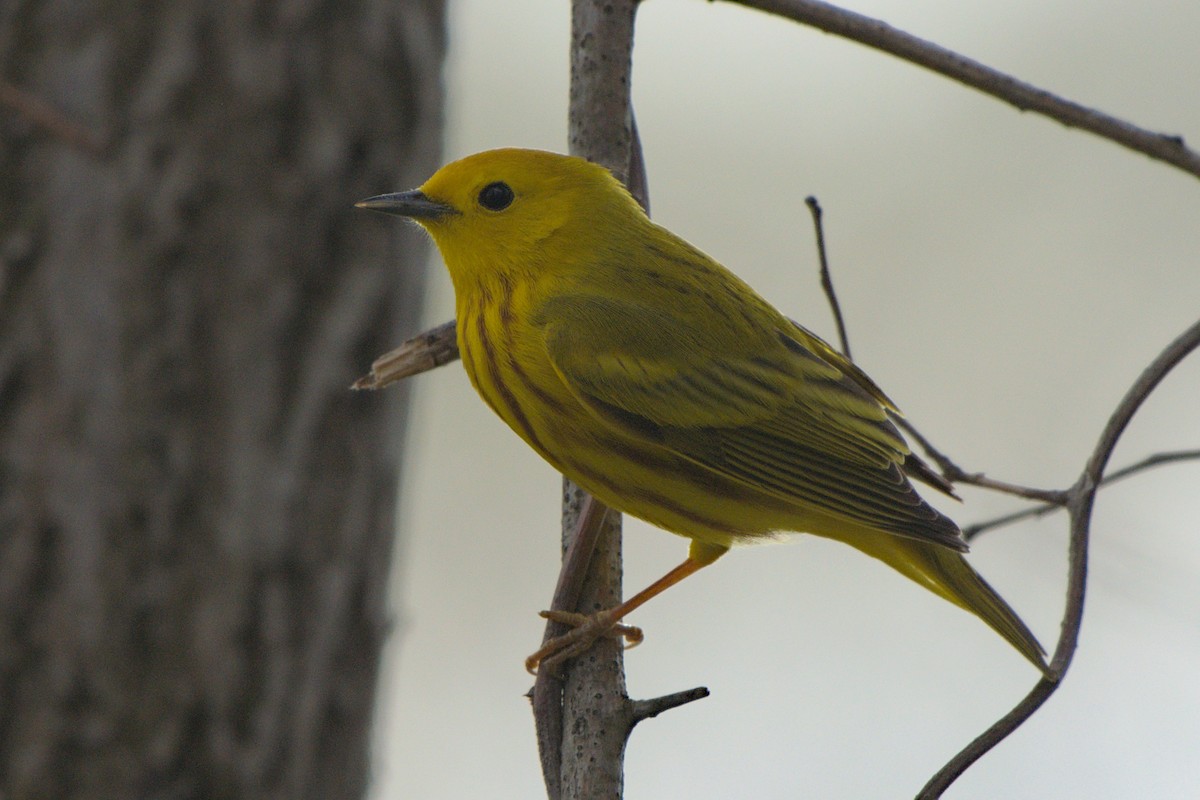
pixel 586 629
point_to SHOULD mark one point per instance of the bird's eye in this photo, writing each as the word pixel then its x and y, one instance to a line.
pixel 496 196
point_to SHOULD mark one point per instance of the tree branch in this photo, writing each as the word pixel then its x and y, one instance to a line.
pixel 1078 500
pixel 586 759
pixel 1082 497
pixel 645 709
pixel 956 474
pixel 433 348
pixel 1168 148
pixel 1156 460
pixel 546 693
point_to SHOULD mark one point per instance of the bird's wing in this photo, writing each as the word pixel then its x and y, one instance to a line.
pixel 761 408
pixel 914 467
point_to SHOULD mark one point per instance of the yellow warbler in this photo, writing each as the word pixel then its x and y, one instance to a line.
pixel 664 385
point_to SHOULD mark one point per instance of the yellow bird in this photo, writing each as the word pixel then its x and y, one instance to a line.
pixel 668 388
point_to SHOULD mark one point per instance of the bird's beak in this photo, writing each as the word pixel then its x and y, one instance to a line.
pixel 413 204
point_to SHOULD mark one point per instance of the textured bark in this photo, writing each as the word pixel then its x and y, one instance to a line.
pixel 196 516
pixel 597 713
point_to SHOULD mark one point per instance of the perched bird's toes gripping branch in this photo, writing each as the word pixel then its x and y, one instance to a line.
pixel 590 628
pixel 585 630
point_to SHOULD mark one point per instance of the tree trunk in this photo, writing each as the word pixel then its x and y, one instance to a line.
pixel 196 515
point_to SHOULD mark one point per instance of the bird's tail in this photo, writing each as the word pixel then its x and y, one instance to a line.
pixel 946 573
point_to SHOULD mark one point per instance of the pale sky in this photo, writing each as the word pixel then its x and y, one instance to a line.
pixel 1004 280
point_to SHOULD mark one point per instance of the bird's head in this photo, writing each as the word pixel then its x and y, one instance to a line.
pixel 509 214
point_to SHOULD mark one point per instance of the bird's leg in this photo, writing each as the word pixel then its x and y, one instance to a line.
pixel 586 629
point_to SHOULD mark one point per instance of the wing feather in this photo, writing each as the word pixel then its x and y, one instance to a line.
pixel 766 407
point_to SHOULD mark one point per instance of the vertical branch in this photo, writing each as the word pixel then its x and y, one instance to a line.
pixel 584 758
pixel 585 521
pixel 599 129
pixel 595 712
pixel 600 124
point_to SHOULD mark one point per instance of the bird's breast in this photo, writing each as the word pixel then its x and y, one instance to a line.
pixel 507 364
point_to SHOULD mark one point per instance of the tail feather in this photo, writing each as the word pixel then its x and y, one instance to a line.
pixel 966 588
pixel 946 573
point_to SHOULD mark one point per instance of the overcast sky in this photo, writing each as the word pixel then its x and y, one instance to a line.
pixel 1004 280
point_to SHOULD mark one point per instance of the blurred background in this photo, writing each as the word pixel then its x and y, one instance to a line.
pixel 1004 280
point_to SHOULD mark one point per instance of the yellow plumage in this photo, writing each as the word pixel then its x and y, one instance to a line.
pixel 664 385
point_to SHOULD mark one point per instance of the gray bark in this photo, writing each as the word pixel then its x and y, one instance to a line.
pixel 196 516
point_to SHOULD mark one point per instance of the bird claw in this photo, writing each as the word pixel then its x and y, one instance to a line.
pixel 585 630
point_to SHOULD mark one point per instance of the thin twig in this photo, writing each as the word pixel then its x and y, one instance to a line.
pixel 956 474
pixel 1083 495
pixel 1156 460
pixel 1050 496
pixel 50 119
pixel 1168 148
pixel 971 531
pixel 951 471
pixel 1084 491
pixel 814 208
pixel 574 564
pixel 646 709
pixel 433 348
pixel 944 464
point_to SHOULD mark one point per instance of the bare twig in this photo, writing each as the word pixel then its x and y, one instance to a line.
pixel 1050 496
pixel 637 181
pixel 50 119
pixel 1082 498
pixel 943 461
pixel 433 348
pixel 581 543
pixel 1078 500
pixel 826 278
pixel 940 782
pixel 645 709
pixel 1168 148
pixel 956 474
pixel 971 531
pixel 951 471
pixel 1156 460
pixel 1084 492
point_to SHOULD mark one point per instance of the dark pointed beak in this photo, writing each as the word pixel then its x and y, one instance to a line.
pixel 413 204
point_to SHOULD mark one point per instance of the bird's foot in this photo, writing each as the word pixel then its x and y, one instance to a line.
pixel 585 630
